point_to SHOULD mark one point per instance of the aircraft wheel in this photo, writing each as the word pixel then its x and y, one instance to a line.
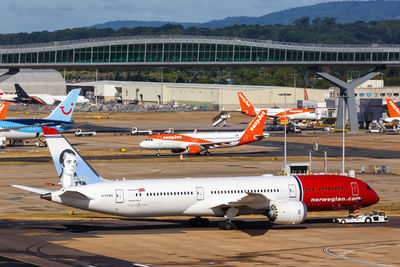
pixel 207 153
pixel 226 225
pixel 192 221
pixel 204 221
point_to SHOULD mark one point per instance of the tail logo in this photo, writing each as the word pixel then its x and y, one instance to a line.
pixel 2 106
pixel 68 164
pixel 258 120
pixel 66 113
pixel 244 100
pixel 394 106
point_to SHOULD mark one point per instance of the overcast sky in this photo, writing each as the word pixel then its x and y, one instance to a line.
pixel 38 15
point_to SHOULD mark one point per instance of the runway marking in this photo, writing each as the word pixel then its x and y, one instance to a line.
pixel 344 257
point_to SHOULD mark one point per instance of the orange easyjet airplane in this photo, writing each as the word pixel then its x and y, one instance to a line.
pixel 292 114
pixel 3 110
pixel 194 143
pixel 394 112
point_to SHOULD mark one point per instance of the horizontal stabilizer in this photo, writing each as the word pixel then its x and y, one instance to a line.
pixel 39 191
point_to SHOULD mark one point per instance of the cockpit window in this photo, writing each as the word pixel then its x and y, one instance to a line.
pixel 368 187
pixel 149 139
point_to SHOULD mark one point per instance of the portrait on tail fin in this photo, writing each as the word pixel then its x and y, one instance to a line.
pixel 68 164
pixel 72 169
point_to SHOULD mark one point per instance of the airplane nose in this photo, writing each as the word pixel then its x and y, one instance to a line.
pixel 143 144
pixel 376 198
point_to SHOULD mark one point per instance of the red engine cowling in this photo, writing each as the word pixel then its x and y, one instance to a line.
pixel 193 149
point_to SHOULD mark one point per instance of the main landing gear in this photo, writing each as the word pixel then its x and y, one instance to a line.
pixel 229 215
pixel 158 153
pixel 198 221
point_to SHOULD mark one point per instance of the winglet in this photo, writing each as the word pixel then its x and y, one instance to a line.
pixel 245 106
pixel 48 131
pixel 394 110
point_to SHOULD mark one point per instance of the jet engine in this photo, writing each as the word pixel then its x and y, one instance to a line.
pixel 287 212
pixel 193 149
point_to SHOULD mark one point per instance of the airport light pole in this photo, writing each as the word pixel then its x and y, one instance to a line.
pixel 294 87
pixel 343 133
pixel 284 134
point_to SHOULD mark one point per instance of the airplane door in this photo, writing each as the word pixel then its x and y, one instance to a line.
pixel 354 188
pixel 292 191
pixel 119 196
pixel 200 193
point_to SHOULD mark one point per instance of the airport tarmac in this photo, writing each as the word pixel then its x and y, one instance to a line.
pixel 171 242
pixel 42 233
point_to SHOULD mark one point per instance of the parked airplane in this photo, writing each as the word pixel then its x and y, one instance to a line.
pixel 9 97
pixel 44 99
pixel 282 199
pixel 3 110
pixel 194 143
pixel 19 129
pixel 292 114
pixel 394 112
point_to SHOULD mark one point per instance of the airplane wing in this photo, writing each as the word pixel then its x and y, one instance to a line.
pixel 48 124
pixel 33 189
pixel 253 201
pixel 214 144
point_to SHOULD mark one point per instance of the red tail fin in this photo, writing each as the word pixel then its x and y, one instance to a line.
pixel 394 110
pixel 305 94
pixel 255 130
pixel 245 106
pixel 3 110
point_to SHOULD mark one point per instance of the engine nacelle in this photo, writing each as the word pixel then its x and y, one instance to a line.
pixel 193 149
pixel 287 212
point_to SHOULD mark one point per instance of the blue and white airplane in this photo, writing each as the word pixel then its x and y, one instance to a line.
pixel 19 129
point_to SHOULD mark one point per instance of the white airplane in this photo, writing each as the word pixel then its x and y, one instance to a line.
pixel 45 99
pixel 16 130
pixel 282 199
pixel 194 143
pixel 292 114
pixel 394 112
pixel 9 97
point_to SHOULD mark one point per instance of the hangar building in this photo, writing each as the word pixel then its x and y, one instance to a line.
pixel 215 96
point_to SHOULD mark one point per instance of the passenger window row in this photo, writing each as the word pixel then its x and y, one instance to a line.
pixel 323 189
pixel 169 194
pixel 244 191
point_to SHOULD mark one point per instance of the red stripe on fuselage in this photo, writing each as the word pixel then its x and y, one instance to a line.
pixel 331 192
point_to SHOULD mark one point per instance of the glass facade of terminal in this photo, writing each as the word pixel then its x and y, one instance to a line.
pixel 190 52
